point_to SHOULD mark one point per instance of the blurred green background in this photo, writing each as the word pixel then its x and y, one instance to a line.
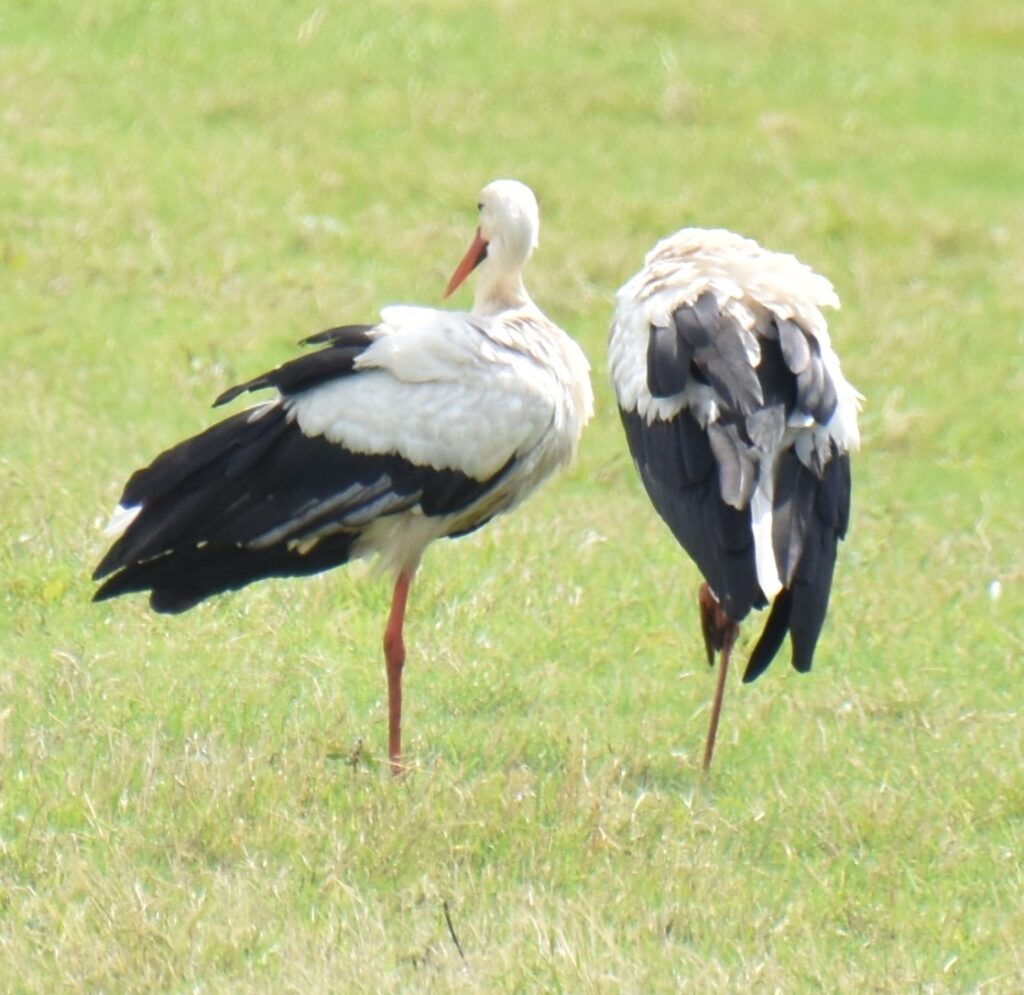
pixel 201 804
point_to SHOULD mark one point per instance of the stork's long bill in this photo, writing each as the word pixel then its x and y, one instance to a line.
pixel 475 255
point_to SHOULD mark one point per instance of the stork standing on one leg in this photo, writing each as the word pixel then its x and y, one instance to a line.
pixel 427 424
pixel 740 423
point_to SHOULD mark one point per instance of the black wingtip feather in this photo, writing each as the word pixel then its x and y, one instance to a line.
pixel 348 334
pixel 772 635
pixel 180 579
pixel 253 497
pixel 343 346
pixel 232 392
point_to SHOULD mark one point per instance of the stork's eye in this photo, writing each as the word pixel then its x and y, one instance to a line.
pixel 480 206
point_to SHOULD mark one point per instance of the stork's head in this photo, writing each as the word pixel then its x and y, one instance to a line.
pixel 506 235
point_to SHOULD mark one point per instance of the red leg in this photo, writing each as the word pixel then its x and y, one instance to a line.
pixel 394 658
pixel 716 705
pixel 720 633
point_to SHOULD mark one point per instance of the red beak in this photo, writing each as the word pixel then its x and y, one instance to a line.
pixel 475 255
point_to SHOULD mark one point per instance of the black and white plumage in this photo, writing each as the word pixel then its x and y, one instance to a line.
pixel 740 423
pixel 427 424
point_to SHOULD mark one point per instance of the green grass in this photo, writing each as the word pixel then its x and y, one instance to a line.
pixel 201 803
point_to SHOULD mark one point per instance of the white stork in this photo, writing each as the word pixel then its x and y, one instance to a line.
pixel 740 423
pixel 427 424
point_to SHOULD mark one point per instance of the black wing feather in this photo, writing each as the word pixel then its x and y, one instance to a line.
pixel 676 463
pixel 719 353
pixel 668 362
pixel 347 342
pixel 254 497
pixel 701 481
pixel 342 334
pixel 767 424
pixel 792 511
pixel 827 521
pixel 737 466
pixel 179 580
pixel 796 349
pixel 772 635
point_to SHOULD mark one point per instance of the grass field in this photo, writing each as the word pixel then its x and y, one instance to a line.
pixel 201 804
